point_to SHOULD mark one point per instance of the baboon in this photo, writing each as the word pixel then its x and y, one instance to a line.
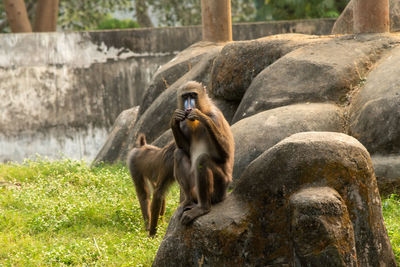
pixel 203 159
pixel 151 168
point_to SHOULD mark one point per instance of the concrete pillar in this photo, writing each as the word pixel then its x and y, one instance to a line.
pixel 371 16
pixel 216 20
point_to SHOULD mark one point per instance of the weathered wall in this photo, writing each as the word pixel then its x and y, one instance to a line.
pixel 61 92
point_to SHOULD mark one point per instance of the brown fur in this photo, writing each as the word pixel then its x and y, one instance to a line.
pixel 151 168
pixel 203 160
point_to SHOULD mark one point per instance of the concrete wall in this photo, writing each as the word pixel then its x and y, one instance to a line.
pixel 61 92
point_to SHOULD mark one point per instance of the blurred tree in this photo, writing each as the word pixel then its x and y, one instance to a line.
pixel 46 16
pixel 243 10
pixel 17 16
pixel 298 9
pixel 4 24
pixel 113 23
pixel 142 17
pixel 87 14
pixel 188 12
pixel 72 14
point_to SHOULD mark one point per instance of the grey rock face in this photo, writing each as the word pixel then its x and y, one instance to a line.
pixel 375 110
pixel 305 75
pixel 117 141
pixel 319 223
pixel 256 134
pixel 387 170
pixel 270 211
pixel 239 62
pixel 164 139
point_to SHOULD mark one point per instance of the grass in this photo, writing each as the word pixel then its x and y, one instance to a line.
pixel 66 213
pixel 391 214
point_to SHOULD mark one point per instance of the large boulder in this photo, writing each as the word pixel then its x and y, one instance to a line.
pixel 239 62
pixel 256 134
pixel 320 222
pixel 164 139
pixel 316 73
pixel 375 110
pixel 308 183
pixel 170 72
pixel 344 24
pixel 116 145
pixel 387 170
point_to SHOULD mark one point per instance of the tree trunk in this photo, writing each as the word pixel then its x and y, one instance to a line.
pixel 371 16
pixel 46 16
pixel 17 16
pixel 216 20
pixel 141 14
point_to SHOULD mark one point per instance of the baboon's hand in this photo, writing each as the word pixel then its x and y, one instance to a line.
pixel 194 115
pixel 179 115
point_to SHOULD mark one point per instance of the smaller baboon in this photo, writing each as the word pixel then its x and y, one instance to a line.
pixel 151 167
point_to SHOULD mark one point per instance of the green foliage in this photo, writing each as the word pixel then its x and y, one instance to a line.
pixel 298 9
pixel 188 12
pixel 86 15
pixel 64 212
pixel 77 14
pixel 113 23
pixel 391 213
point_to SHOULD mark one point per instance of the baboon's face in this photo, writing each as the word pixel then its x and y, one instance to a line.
pixel 189 101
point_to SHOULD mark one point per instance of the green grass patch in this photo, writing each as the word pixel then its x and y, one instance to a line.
pixel 391 213
pixel 66 213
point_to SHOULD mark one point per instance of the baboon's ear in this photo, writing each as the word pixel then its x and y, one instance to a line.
pixel 141 140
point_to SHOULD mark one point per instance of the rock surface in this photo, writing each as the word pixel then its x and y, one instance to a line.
pixel 256 134
pixel 164 139
pixel 321 227
pixel 387 170
pixel 117 142
pixel 305 75
pixel 239 62
pixel 264 218
pixel 375 110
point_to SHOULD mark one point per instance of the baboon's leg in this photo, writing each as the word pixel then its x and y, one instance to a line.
pixel 158 202
pixel 183 175
pixel 162 212
pixel 143 194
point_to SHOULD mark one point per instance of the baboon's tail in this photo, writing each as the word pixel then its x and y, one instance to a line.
pixel 141 140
